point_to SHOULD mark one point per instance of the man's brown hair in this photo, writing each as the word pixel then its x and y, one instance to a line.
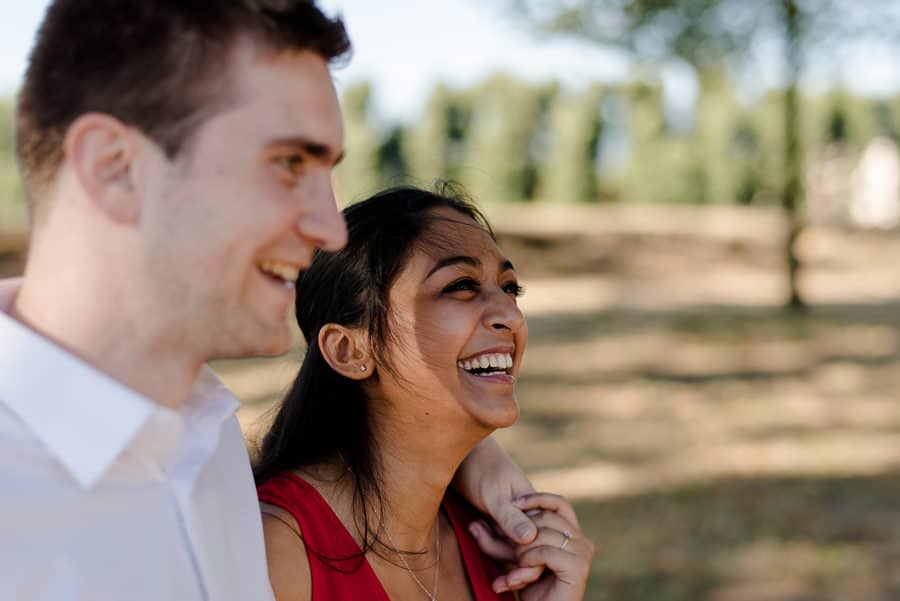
pixel 157 65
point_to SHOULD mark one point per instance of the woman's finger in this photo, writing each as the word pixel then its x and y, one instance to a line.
pixel 517 579
pixel 492 545
pixel 547 501
pixel 569 567
pixel 551 519
pixel 552 538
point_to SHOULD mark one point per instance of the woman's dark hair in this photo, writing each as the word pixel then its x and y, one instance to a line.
pixel 325 416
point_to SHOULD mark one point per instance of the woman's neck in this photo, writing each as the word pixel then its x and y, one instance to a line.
pixel 415 464
pixel 417 460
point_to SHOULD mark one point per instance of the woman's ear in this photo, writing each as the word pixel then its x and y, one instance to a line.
pixel 346 350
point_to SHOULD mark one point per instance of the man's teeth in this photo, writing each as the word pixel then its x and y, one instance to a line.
pixel 283 271
pixel 494 362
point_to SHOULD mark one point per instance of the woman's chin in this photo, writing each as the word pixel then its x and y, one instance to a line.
pixel 500 416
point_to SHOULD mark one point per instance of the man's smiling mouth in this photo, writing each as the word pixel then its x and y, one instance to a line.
pixel 280 271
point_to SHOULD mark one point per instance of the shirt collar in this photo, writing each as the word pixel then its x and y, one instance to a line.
pixel 84 417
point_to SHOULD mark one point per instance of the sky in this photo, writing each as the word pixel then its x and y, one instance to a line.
pixel 405 46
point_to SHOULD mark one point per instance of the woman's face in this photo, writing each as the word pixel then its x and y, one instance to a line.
pixel 456 333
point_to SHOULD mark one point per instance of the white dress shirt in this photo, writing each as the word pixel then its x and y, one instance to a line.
pixel 107 496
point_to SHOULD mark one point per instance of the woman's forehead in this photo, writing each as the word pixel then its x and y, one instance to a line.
pixel 456 234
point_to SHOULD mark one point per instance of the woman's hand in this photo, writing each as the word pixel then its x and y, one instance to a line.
pixel 560 547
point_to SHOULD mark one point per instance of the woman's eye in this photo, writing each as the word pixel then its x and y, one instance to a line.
pixel 464 285
pixel 514 289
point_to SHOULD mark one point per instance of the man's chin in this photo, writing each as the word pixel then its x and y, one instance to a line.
pixel 274 347
pixel 268 344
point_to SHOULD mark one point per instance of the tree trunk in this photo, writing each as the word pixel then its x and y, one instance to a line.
pixel 793 172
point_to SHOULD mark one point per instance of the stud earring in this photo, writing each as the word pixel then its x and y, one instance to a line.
pixel 363 368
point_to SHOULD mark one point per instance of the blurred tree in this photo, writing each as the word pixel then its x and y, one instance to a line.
pixel 568 170
pixel 499 163
pixel 392 166
pixel 426 144
pixel 895 115
pixel 717 115
pixel 885 122
pixel 358 173
pixel 12 196
pixel 729 142
pixel 706 33
pixel 660 165
pixel 849 120
pixel 434 145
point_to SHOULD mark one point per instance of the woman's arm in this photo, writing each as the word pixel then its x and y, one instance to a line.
pixel 286 555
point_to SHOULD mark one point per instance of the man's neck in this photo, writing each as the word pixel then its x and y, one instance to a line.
pixel 98 330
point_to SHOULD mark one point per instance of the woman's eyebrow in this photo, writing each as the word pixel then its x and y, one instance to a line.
pixel 447 261
pixel 506 266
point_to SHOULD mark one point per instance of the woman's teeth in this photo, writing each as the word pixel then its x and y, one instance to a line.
pixel 487 364
pixel 283 271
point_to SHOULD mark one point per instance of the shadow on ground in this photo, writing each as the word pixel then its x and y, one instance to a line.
pixel 765 539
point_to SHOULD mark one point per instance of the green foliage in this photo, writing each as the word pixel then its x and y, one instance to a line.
pixel 511 141
pixel 848 120
pixel 12 196
pixel 358 174
pixel 660 168
pixel 392 166
pixel 729 140
pixel 569 171
pixel 499 162
pixel 894 109
pixel 433 147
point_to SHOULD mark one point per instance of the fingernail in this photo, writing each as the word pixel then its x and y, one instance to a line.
pixel 500 588
pixel 524 530
pixel 474 529
pixel 520 500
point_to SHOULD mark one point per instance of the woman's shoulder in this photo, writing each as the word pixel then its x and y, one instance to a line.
pixel 289 491
pixel 307 507
pixel 289 571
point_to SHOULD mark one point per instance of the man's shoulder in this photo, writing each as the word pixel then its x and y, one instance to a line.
pixel 16 436
pixel 34 477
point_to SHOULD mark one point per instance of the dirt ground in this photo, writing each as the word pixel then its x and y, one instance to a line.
pixel 716 446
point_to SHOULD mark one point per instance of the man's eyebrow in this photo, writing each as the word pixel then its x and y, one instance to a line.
pixel 315 149
pixel 447 261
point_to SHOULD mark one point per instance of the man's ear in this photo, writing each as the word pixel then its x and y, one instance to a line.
pixel 100 150
pixel 346 350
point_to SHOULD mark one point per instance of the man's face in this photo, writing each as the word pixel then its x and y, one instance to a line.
pixel 227 225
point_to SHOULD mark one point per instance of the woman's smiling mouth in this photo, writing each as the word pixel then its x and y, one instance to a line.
pixel 487 364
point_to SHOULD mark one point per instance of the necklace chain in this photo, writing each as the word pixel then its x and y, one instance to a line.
pixel 432 596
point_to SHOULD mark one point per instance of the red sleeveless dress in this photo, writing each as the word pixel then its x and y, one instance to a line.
pixel 353 579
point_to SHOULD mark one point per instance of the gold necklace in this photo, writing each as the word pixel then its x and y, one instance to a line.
pixel 432 596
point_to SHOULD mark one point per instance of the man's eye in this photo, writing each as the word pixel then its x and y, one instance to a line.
pixel 464 285
pixel 291 162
